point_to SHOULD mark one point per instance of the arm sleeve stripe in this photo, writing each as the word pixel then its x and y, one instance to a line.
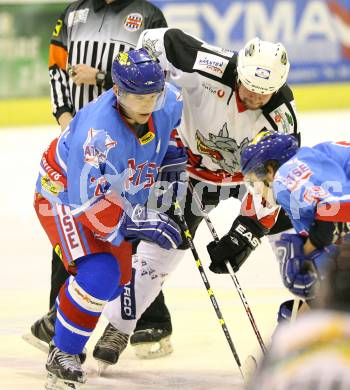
pixel 58 56
pixel 59 92
pixel 58 43
pixel 333 211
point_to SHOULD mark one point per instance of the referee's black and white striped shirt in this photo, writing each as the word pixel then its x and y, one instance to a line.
pixel 92 32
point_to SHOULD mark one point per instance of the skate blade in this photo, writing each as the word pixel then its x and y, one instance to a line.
pixel 54 383
pixel 153 350
pixel 249 367
pixel 102 367
pixel 35 342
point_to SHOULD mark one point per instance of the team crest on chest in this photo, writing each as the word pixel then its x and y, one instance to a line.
pixel 223 150
pixel 96 147
pixel 133 22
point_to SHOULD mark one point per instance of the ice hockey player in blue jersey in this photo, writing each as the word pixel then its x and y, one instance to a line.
pixel 94 182
pixel 312 184
pixel 312 352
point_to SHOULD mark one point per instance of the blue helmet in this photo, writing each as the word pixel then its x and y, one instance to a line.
pixel 136 71
pixel 267 145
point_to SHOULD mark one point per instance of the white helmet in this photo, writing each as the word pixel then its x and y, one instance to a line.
pixel 263 66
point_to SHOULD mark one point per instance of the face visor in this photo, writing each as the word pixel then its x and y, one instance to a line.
pixel 142 103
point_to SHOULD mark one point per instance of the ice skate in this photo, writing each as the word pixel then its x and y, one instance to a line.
pixel 42 332
pixel 151 343
pixel 64 370
pixel 109 347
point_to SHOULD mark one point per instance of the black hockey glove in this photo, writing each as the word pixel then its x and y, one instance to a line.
pixel 236 245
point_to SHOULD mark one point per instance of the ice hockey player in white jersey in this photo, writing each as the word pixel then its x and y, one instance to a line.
pixel 313 352
pixel 228 98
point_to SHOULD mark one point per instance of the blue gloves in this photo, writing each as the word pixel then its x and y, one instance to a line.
pixel 172 180
pixel 149 225
pixel 300 274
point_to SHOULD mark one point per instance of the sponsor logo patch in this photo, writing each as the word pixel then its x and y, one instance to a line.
pixel 262 73
pixel 133 22
pixel 148 137
pixel 127 299
pixel 49 185
pixel 213 89
pixel 282 117
pixel 211 64
pixel 79 16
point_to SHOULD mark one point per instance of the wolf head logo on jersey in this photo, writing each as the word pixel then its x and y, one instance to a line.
pixel 151 46
pixel 222 149
pixel 96 147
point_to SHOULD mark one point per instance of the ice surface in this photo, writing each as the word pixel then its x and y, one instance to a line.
pixel 202 359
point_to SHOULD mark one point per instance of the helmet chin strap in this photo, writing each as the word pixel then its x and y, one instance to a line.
pixel 123 112
pixel 140 128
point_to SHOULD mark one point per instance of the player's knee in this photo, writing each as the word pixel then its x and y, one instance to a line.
pixel 162 265
pixel 152 258
pixel 99 274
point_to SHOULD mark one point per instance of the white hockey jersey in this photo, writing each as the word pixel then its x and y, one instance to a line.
pixel 215 125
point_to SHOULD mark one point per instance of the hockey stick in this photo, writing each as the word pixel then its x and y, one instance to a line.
pixel 230 270
pixel 207 285
pixel 295 308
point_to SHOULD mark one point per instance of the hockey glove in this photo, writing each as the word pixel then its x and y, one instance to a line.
pixel 243 237
pixel 149 225
pixel 300 274
pixel 172 181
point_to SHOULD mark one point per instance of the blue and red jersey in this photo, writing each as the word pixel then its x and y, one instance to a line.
pixel 315 185
pixel 99 166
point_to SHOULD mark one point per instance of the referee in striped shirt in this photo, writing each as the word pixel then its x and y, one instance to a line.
pixel 85 40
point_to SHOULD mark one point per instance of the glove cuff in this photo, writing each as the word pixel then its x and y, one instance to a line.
pixel 321 233
pixel 252 224
pixel 248 230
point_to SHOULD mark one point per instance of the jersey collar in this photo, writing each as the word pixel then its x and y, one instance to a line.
pixel 240 105
pixel 117 5
pixel 146 138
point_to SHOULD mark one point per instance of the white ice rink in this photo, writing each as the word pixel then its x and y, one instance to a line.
pixel 202 359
